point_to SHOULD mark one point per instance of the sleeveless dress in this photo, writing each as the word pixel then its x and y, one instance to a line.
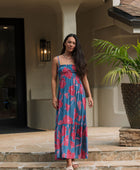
pixel 71 127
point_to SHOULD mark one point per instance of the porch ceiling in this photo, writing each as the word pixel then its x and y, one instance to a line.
pixel 26 3
pixel 30 4
pixel 86 5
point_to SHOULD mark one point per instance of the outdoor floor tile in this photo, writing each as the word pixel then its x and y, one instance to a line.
pixel 99 139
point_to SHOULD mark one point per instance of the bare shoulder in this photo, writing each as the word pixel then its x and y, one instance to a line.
pixel 55 60
pixel 60 57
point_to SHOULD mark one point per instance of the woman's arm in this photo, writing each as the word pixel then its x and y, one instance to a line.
pixel 87 88
pixel 54 82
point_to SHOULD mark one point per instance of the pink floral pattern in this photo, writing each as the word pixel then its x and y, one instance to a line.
pixel 71 127
pixel 62 83
pixel 72 90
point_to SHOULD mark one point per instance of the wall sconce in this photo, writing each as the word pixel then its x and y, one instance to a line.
pixel 45 50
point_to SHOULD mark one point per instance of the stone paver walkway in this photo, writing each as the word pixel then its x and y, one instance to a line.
pixel 99 139
pixel 34 150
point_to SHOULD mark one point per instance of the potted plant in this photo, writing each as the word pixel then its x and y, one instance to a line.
pixel 122 64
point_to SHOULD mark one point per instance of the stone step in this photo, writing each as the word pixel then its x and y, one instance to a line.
pixel 107 155
pixel 84 165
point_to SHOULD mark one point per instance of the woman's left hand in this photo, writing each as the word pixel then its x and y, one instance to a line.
pixel 90 101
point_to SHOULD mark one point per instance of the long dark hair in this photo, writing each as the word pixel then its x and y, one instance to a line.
pixel 78 56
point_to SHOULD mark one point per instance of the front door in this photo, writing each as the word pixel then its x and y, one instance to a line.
pixel 12 72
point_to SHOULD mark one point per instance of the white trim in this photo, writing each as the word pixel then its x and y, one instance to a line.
pixel 136 30
pixel 115 102
pixel 116 2
pixel 126 27
pixel 95 108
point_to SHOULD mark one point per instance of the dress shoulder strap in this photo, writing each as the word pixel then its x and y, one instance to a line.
pixel 58 60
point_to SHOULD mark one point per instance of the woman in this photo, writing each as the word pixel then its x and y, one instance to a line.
pixel 70 104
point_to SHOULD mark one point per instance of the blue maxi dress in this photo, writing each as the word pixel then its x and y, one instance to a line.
pixel 71 126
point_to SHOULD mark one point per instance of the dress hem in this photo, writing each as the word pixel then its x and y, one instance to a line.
pixel 71 158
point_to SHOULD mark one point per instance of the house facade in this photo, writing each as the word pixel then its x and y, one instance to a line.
pixel 53 20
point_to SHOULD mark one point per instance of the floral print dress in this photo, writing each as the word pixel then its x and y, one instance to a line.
pixel 71 127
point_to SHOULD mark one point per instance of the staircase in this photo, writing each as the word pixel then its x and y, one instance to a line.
pixel 35 151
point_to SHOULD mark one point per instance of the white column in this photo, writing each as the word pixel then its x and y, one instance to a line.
pixel 69 9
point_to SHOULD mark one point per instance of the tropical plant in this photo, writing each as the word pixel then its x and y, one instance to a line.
pixel 119 59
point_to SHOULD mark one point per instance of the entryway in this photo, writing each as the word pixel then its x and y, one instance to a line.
pixel 12 73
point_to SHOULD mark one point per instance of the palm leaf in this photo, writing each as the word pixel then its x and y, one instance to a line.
pixel 122 64
pixel 116 75
pixel 137 48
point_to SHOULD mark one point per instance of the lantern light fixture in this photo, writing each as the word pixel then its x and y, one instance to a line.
pixel 45 50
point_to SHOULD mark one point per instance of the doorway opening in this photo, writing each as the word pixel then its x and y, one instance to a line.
pixel 12 73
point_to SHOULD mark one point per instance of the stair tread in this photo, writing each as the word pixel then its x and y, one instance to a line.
pixel 50 157
pixel 88 164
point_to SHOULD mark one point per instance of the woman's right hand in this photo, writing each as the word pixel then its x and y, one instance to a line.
pixel 55 102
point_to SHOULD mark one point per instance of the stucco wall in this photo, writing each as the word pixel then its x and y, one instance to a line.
pixel 40 113
pixel 39 22
pixel 108 105
pixel 84 33
pixel 111 108
pixel 45 22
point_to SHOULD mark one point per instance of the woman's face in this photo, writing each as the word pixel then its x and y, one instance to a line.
pixel 70 44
